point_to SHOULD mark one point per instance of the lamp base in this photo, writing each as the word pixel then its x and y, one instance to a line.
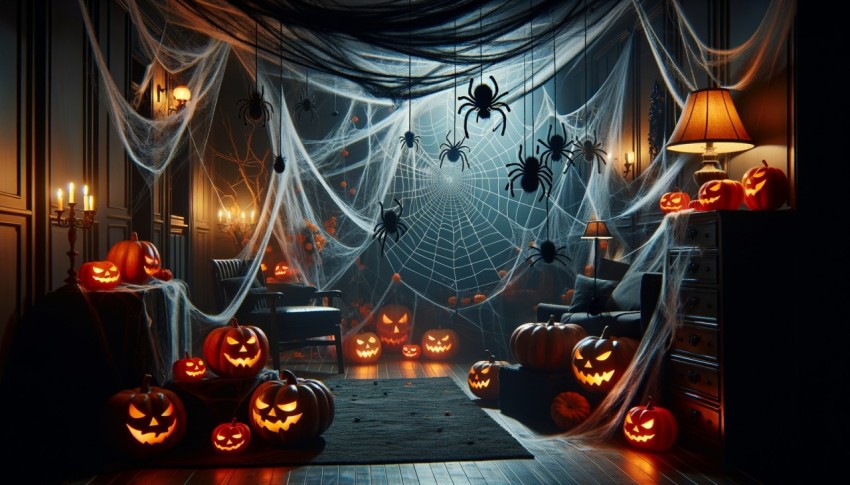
pixel 710 170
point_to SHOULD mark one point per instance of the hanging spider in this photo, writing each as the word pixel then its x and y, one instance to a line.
pixel 454 152
pixel 255 106
pixel 279 163
pixel 532 175
pixel 483 100
pixel 307 104
pixel 589 150
pixel 410 139
pixel 548 253
pixel 557 147
pixel 390 224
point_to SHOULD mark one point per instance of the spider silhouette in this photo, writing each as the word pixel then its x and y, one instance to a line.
pixel 557 147
pixel 484 101
pixel 589 150
pixel 307 104
pixel 255 107
pixel 279 163
pixel 548 253
pixel 410 139
pixel 390 224
pixel 454 152
pixel 532 175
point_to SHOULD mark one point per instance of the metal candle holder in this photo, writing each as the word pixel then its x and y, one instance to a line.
pixel 72 222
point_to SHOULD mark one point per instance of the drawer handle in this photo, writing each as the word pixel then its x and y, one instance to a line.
pixel 694 339
pixel 693 376
pixel 694 414
pixel 693 267
pixel 691 234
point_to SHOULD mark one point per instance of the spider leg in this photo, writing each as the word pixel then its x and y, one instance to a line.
pixel 466 120
pixel 400 207
pixel 383 241
pixel 463 160
pixel 504 119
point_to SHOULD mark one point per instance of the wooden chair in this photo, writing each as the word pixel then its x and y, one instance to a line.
pixel 297 316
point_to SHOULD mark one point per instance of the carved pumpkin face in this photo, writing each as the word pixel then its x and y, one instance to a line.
pixel 483 378
pixel 189 369
pixel 724 194
pixel 599 362
pixel 393 326
pixel 440 343
pixel 765 188
pixel 231 438
pixel 650 427
pixel 144 421
pixel 363 348
pixel 99 275
pixel 236 350
pixel 137 261
pixel 290 410
pixel 284 272
pixel 674 201
pixel 411 351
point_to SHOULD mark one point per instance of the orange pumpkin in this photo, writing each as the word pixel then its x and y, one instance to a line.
pixel 569 409
pixel 137 260
pixel 650 427
pixel 99 275
pixel 411 351
pixel 765 188
pixel 393 326
pixel 236 350
pixel 362 347
pixel 599 362
pixel 440 343
pixel 188 369
pixel 723 194
pixel 674 201
pixel 545 346
pixel 483 377
pixel 283 272
pixel 290 410
pixel 231 438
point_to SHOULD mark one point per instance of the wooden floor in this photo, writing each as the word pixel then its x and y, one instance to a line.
pixel 555 462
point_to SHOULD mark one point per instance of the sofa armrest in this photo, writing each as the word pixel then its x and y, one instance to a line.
pixel 544 310
pixel 329 294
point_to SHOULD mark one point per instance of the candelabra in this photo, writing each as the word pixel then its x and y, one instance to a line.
pixel 72 222
pixel 240 229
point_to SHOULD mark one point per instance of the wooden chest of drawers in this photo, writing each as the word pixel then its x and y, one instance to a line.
pixel 731 366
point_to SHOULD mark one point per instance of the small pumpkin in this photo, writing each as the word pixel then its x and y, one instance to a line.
pixel 723 194
pixel 440 343
pixel 362 347
pixel 765 188
pixel 285 273
pixel 236 350
pixel 99 275
pixel 483 377
pixel 189 369
pixel 231 438
pixel 393 326
pixel 289 410
pixel 411 351
pixel 569 409
pixel 164 274
pixel 137 261
pixel 674 201
pixel 695 205
pixel 650 427
pixel 599 362
pixel 545 346
pixel 144 421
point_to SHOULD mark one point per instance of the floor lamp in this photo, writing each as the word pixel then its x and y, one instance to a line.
pixel 595 230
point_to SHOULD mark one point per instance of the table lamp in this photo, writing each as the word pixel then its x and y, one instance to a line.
pixel 595 230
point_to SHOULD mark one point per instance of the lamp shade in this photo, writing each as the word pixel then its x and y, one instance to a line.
pixel 596 230
pixel 709 120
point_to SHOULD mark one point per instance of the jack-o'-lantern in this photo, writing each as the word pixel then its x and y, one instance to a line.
pixel 290 410
pixel 483 377
pixel 440 343
pixel 650 427
pixel 723 194
pixel 765 188
pixel 599 362
pixel 545 346
pixel 231 438
pixel 393 326
pixel 144 421
pixel 99 275
pixel 362 347
pixel 189 369
pixel 137 261
pixel 674 201
pixel 284 272
pixel 236 350
pixel 411 351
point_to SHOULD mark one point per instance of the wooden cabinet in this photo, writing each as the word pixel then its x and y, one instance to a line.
pixel 732 369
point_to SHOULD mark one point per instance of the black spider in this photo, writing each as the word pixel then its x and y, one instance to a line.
pixel 255 107
pixel 410 139
pixel 307 104
pixel 390 224
pixel 484 101
pixel 557 149
pixel 532 175
pixel 279 163
pixel 454 152
pixel 548 253
pixel 589 150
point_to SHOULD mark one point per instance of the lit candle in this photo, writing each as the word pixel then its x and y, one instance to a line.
pixel 71 193
pixel 220 215
pixel 91 202
pixel 252 217
pixel 59 199
pixel 85 197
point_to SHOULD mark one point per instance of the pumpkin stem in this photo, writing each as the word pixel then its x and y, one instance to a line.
pixel 134 236
pixel 604 332
pixel 551 320
pixel 765 163
pixel 492 357
pixel 186 353
pixel 233 322
pixel 648 402
pixel 233 421
pixel 146 384
pixel 288 376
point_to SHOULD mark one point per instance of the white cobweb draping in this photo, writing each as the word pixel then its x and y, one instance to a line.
pixel 464 259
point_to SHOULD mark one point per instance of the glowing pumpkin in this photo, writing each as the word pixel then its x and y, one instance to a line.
pixel 144 421
pixel 231 438
pixel 236 350
pixel 599 362
pixel 723 194
pixel 411 351
pixel 765 188
pixel 289 410
pixel 283 272
pixel 99 275
pixel 545 346
pixel 440 343
pixel 483 377
pixel 674 201
pixel 362 347
pixel 650 427
pixel 393 326
pixel 569 409
pixel 137 261
pixel 189 369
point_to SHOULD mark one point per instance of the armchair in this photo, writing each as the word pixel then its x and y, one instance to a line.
pixel 297 316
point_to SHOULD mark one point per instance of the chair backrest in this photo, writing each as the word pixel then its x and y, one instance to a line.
pixel 226 276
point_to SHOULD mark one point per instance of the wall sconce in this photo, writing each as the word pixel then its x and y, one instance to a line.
pixel 237 223
pixel 159 91
pixel 629 164
pixel 182 95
